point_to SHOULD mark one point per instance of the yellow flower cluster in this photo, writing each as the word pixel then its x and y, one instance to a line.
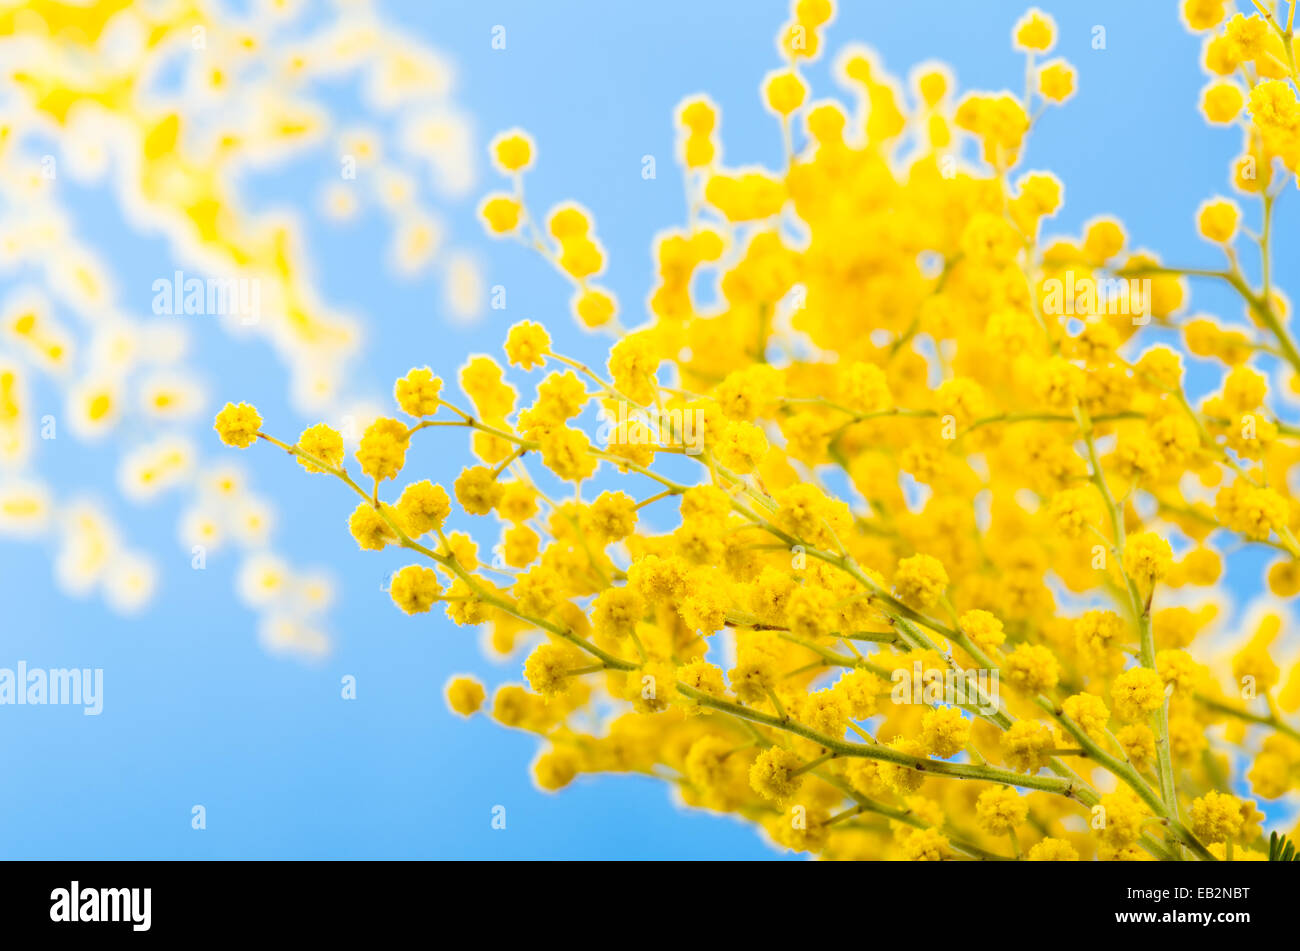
pixel 84 116
pixel 860 491
pixel 1253 59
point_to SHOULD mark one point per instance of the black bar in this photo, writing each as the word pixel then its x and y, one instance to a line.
pixel 334 899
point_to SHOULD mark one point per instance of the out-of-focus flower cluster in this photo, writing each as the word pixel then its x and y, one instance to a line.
pixel 174 109
pixel 912 540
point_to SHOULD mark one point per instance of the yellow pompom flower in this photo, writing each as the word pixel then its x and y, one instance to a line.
pixel 813 12
pixel 944 731
pixel 810 611
pixel 520 545
pixel 920 580
pixel 613 516
pixel 518 502
pixel 1177 667
pixel 1027 745
pixel 418 393
pixel 698 115
pixel 748 196
pixel 806 512
pixel 933 84
pixel 1216 817
pixel 423 507
pixel 1000 810
pixel 581 257
pixel 1032 668
pixel 382 451
pixel 527 345
pixel 1271 775
pixel 1139 744
pixel 567 453
pixel 1201 15
pixel 826 123
pixel 1217 220
pixel 862 691
pixel 826 712
pixel 784 91
pixel 1074 510
pixel 501 213
pixel 595 307
pixel 1248 36
pixel 370 529
pixel 706 761
pixel 1254 511
pixel 652 688
pixel 1137 692
pixel 900 777
pixel 741 447
pixel 1103 239
pixel 415 588
pixel 512 151
pixel 477 490
pixel 983 628
pixel 1275 110
pixel 560 397
pixel 773 774
pixel 925 845
pixel 703 677
pixel 1052 850
pixel 465 695
pixel 324 444
pixel 632 364
pixel 555 769
pixel 1284 578
pixel 1147 557
pixel 1089 711
pixel 1252 664
pixel 1056 80
pixel 1035 31
pixel 547 668
pixel 1222 101
pixel 617 611
pixel 238 425
pixel 1122 815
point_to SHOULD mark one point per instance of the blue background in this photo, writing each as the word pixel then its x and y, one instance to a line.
pixel 195 710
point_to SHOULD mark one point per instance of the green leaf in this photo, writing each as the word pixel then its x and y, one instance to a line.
pixel 1282 849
